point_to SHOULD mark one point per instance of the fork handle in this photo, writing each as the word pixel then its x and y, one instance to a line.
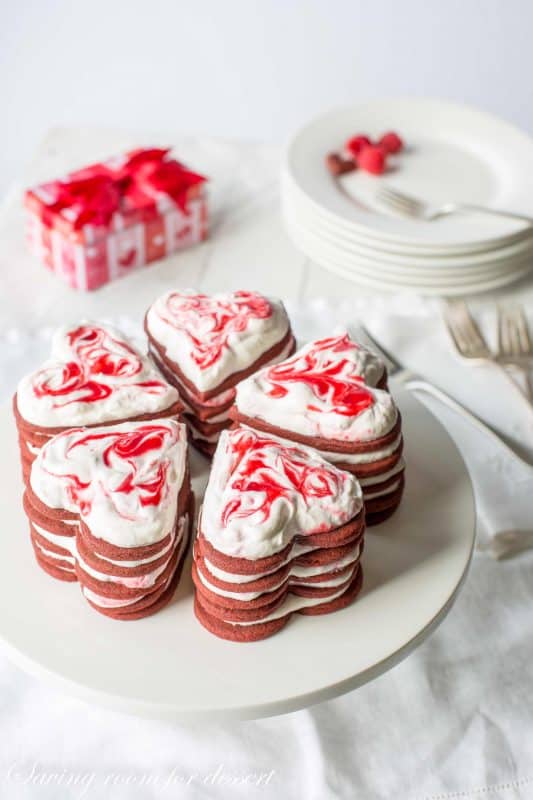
pixel 494 212
pixel 420 385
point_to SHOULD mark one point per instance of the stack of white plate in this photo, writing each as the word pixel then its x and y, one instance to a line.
pixel 452 153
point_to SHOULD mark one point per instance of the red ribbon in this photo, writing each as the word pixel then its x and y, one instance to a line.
pixel 94 194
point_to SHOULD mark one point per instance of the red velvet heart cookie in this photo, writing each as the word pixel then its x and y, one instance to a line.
pixel 204 344
pixel 94 377
pixel 332 395
pixel 281 532
pixel 111 507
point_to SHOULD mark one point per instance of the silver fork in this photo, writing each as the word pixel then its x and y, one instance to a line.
pixel 417 383
pixel 505 543
pixel 515 347
pixel 414 207
pixel 470 342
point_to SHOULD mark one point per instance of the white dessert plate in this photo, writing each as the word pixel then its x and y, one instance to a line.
pixel 453 153
pixel 324 253
pixel 168 666
pixel 314 221
pixel 377 276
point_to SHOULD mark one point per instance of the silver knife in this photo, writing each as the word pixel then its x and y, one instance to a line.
pixel 416 383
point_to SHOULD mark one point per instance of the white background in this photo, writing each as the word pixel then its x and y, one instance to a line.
pixel 252 69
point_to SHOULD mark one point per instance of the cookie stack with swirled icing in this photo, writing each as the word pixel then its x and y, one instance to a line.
pixel 95 376
pixel 280 532
pixel 204 344
pixel 332 395
pixel 111 507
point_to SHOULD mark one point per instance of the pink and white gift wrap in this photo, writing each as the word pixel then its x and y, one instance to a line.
pixel 104 221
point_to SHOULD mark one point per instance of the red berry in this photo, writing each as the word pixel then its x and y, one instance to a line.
pixel 356 144
pixel 338 165
pixel 372 159
pixel 391 142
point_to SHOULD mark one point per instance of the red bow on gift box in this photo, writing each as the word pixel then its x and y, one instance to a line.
pixel 93 195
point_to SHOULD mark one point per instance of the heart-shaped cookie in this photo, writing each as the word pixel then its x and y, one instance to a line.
pixel 210 338
pixel 94 375
pixel 280 531
pixel 328 390
pixel 110 507
pixel 332 395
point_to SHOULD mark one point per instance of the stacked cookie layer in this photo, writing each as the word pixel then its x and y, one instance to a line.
pixel 94 377
pixel 281 531
pixel 332 395
pixel 111 508
pixel 205 344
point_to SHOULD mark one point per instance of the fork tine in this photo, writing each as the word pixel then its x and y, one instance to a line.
pixel 389 200
pixel 506 340
pixel 455 323
pixel 515 336
pixel 515 342
pixel 475 331
pixel 471 328
pixel 500 343
pixel 399 201
pixel 510 336
pixel 454 332
pixel 466 334
pixel 396 197
pixel 522 331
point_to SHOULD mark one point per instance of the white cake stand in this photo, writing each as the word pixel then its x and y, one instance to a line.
pixel 169 666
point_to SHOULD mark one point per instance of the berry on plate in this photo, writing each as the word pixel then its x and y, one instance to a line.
pixel 356 144
pixel 372 159
pixel 391 143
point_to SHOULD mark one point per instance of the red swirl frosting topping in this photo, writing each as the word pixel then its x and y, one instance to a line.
pixel 92 364
pixel 128 449
pixel 118 478
pixel 332 378
pixel 264 475
pixel 264 491
pixel 330 389
pixel 209 322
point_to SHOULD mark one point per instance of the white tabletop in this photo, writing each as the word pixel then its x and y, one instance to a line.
pixel 454 719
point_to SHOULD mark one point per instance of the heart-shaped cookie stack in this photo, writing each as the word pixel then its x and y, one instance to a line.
pixel 280 532
pixel 205 344
pixel 332 395
pixel 94 377
pixel 111 507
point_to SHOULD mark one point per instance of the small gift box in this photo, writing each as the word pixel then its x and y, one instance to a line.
pixel 105 220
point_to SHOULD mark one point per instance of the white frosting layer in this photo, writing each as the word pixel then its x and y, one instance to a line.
pixel 261 494
pixel 66 542
pixel 211 337
pixel 32 449
pixel 147 579
pixel 296 570
pixel 234 577
pixel 362 458
pixel 123 480
pixel 371 480
pixel 325 390
pixel 57 556
pixel 382 492
pixel 111 602
pixel 291 604
pixel 94 375
pixel 212 438
pixel 326 583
